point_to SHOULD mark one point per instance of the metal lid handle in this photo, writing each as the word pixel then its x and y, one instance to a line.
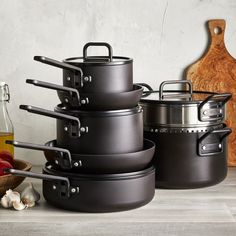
pixel 187 82
pixel 97 44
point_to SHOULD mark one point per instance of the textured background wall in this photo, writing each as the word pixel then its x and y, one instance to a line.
pixel 162 36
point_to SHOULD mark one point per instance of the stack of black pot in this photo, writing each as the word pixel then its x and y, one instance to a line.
pixel 99 161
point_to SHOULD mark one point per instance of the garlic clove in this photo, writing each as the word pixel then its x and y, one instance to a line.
pixel 30 195
pixel 28 203
pixel 5 202
pixel 19 206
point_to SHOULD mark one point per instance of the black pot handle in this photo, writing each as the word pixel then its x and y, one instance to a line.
pixel 73 98
pixel 148 87
pixel 97 44
pixel 78 79
pixel 207 149
pixel 74 126
pixel 62 183
pixel 177 82
pixel 62 156
pixel 212 108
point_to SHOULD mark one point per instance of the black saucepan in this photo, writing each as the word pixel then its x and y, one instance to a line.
pixel 189 158
pixel 95 193
pixel 71 97
pixel 97 164
pixel 93 74
pixel 96 132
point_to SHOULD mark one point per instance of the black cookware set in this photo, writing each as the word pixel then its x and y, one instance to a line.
pixel 102 158
pixel 99 161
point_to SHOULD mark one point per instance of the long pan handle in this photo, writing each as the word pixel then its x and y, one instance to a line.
pixel 64 183
pixel 58 64
pixel 75 130
pixel 61 157
pixel 57 87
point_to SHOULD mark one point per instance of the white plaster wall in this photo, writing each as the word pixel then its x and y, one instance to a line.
pixel 162 36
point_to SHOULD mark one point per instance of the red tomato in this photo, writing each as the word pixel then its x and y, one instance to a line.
pixel 4 165
pixel 6 156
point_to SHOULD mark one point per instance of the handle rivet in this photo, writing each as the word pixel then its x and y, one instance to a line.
pixel 205 113
pixel 82 129
pixel 68 78
pixel 54 187
pixel 66 100
pixel 66 128
pixel 76 164
pixel 203 147
pixel 220 146
pixel 83 101
pixel 56 161
pixel 73 190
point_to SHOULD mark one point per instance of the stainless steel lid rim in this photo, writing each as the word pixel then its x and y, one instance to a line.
pixel 120 61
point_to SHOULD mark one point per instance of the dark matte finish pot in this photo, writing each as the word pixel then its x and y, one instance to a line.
pixel 182 163
pixel 95 74
pixel 96 132
pixel 95 193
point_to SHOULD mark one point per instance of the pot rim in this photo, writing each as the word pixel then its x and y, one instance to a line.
pixel 49 169
pixel 119 60
pixel 175 102
pixel 123 112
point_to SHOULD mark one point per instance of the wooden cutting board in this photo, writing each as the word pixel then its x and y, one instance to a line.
pixel 215 71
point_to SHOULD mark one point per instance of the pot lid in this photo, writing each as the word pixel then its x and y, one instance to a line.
pixel 104 60
pixel 176 97
pixel 179 97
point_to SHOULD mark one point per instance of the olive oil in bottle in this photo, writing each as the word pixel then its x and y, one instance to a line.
pixel 6 127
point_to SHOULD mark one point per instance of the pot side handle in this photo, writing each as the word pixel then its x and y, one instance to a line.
pixel 61 157
pixel 209 113
pixel 208 149
pixel 74 127
pixel 63 183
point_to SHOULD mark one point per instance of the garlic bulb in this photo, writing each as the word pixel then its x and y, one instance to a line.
pixel 19 206
pixel 10 197
pixel 30 196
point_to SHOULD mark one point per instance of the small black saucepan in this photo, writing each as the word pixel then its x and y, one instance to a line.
pixel 96 132
pixel 94 193
pixel 71 97
pixel 96 164
pixel 95 74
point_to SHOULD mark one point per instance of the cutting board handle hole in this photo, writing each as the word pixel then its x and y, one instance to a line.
pixel 217 30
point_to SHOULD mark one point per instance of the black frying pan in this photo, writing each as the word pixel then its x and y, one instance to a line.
pixel 110 163
pixel 71 97
pixel 94 193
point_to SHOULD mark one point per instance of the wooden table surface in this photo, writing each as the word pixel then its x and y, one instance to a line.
pixel 208 211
